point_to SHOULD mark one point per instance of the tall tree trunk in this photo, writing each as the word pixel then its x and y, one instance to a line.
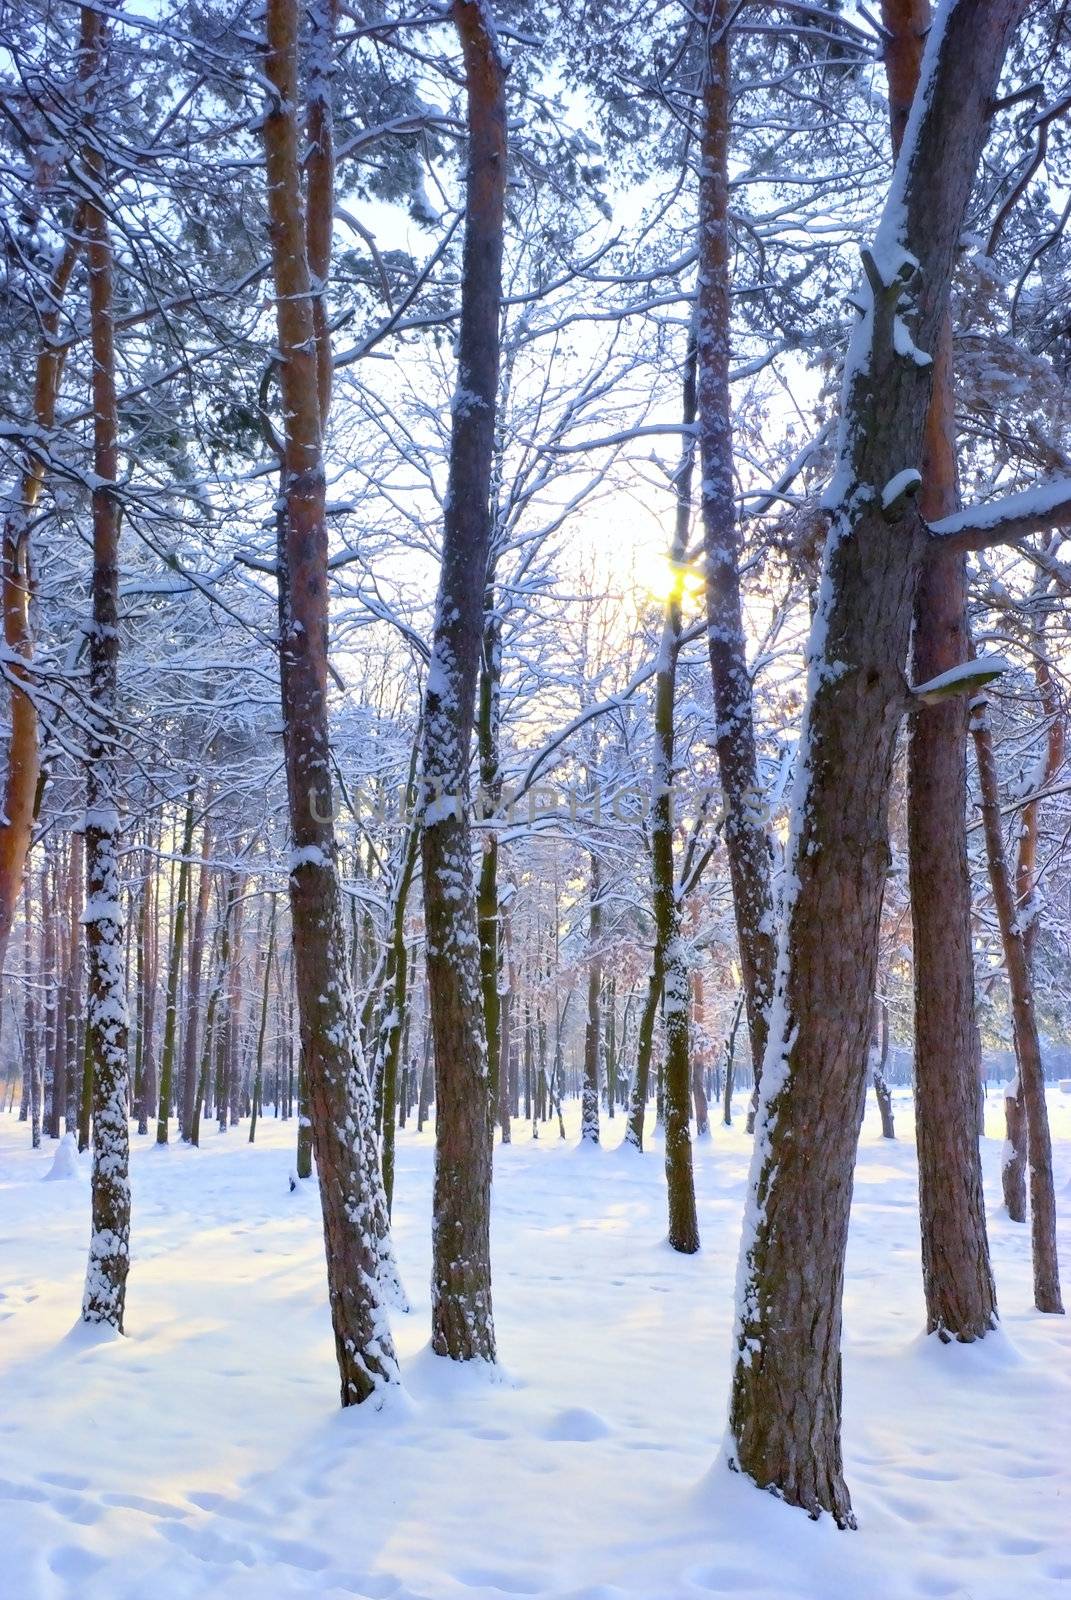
pixel 174 969
pixel 589 1114
pixel 139 998
pixel 339 1098
pixel 1031 1074
pixel 641 1079
pixel 956 1273
pixel 55 1068
pixel 879 1055
pixel 462 1322
pixel 785 1409
pixel 29 1023
pixel 262 1030
pixel 104 1299
pixel 75 1029
pixel 699 1057
pixel 193 985
pixel 507 1074
pixel 487 908
pixel 747 845
pixel 676 978
pixel 148 955
pixel 208 1045
pixel 230 1109
pixel 730 1062
pixel 1013 1166
pixel 396 1003
pixel 22 780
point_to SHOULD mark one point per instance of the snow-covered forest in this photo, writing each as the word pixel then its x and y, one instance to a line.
pixel 535 836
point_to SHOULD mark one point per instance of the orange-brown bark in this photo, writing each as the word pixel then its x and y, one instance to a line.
pixel 16 582
pixel 957 1278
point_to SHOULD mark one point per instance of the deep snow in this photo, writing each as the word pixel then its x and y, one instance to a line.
pixel 204 1454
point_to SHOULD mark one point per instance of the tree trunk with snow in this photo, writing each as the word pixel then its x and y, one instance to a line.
pixel 339 1098
pixel 1031 1073
pixel 462 1322
pixel 174 970
pixel 396 1002
pixel 104 1299
pixel 641 1078
pixel 193 985
pixel 23 775
pixel 956 1273
pixel 487 907
pixel 785 1410
pixel 699 1087
pixel 730 1062
pixel 589 1105
pixel 1013 1166
pixel 676 976
pixel 262 1030
pixel 879 1048
pixel 747 844
pixel 29 1024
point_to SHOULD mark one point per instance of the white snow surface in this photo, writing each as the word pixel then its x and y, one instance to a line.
pixel 204 1454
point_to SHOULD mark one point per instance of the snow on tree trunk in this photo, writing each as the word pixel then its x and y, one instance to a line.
pixel 641 1078
pixel 193 986
pixel 104 1299
pixel 747 844
pixel 174 970
pixel 879 1055
pixel 673 958
pixel 462 1321
pixel 589 1103
pixel 956 1272
pixel 1013 1167
pixel 22 777
pixel 785 1409
pixel 1031 1071
pixel 339 1097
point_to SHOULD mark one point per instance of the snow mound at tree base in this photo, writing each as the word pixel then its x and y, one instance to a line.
pixel 65 1161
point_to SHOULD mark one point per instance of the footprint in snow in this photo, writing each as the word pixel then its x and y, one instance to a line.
pixel 504 1582
pixel 64 1480
pixel 73 1562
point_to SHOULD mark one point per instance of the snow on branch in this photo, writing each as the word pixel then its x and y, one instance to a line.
pixel 1004 521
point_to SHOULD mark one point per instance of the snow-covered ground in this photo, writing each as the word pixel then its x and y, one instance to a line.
pixel 204 1454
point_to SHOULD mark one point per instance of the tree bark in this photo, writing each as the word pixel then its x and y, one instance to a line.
pixel 174 969
pixel 956 1273
pixel 339 1098
pixel 104 1299
pixel 641 1080
pixel 676 977
pixel 462 1322
pixel 1013 1166
pixel 193 986
pixel 785 1410
pixel 262 1030
pixel 589 1112
pixel 395 1004
pixel 1031 1073
pixel 879 1057
pixel 23 776
pixel 699 1055
pixel 29 1024
pixel 747 844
